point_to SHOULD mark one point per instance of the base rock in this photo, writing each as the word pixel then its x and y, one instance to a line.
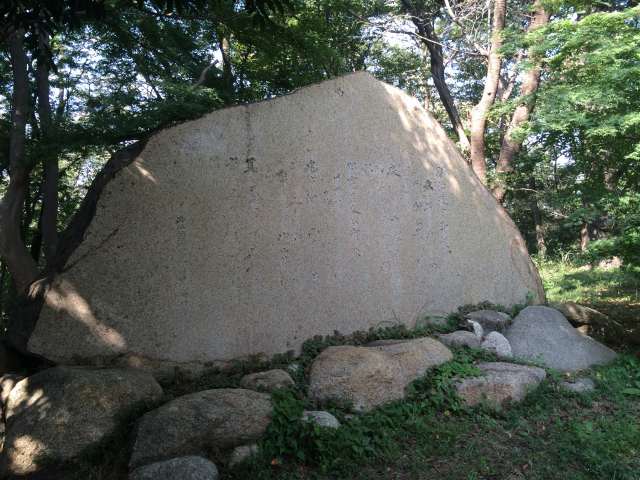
pixel 376 374
pixel 416 356
pixel 496 343
pixel 213 419
pixel 460 338
pixel 59 413
pixel 363 376
pixel 543 334
pixel 182 468
pixel 491 320
pixel 500 383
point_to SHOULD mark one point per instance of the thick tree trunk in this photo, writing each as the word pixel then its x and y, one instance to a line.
pixel 430 41
pixel 480 111
pixel 50 184
pixel 12 248
pixel 510 145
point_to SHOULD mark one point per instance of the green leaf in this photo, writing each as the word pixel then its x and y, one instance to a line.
pixel 631 391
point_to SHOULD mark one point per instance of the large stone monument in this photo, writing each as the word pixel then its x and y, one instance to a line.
pixel 340 207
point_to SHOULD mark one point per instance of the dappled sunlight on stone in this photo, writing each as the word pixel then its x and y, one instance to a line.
pixel 141 168
pixel 22 451
pixel 66 301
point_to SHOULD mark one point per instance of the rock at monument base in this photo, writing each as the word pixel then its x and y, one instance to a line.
pixel 242 453
pixel 460 338
pixel 267 381
pixel 478 331
pixel 340 207
pixel 375 374
pixel 181 468
pixel 416 356
pixel 543 334
pixel 360 375
pixel 496 343
pixel 490 320
pixel 212 419
pixel 320 418
pixel 57 414
pixel 579 385
pixel 580 315
pixel 501 382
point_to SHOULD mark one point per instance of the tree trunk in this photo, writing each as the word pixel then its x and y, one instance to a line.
pixel 537 220
pixel 430 40
pixel 50 184
pixel 480 111
pixel 12 248
pixel 227 72
pixel 510 145
pixel 584 237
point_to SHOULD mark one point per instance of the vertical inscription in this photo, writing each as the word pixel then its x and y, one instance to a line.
pixel 182 290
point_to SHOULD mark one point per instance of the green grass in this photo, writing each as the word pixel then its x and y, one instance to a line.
pixel 552 434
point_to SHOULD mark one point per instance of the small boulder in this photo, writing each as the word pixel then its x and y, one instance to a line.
pixel 500 382
pixel 267 381
pixel 490 320
pixel 543 334
pixel 320 418
pixel 496 343
pixel 416 356
pixel 213 419
pixel 366 377
pixel 580 315
pixel 182 468
pixel 477 328
pixel 242 453
pixel 579 385
pixel 460 338
pixel 59 413
pixel 376 374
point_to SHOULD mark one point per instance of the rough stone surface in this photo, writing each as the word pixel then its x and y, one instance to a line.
pixel 580 315
pixel 213 419
pixel 500 382
pixel 267 381
pixel 60 412
pixel 491 320
pixel 579 385
pixel 242 453
pixel 339 207
pixel 497 343
pixel 182 468
pixel 364 376
pixel 375 374
pixel 416 356
pixel 320 418
pixel 460 338
pixel 543 334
